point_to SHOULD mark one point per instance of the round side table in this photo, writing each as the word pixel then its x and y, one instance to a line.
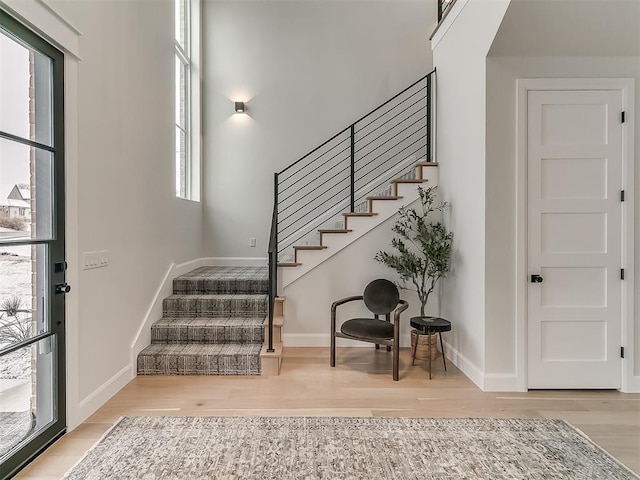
pixel 430 326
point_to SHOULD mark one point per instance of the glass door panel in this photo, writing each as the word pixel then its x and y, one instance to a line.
pixel 32 402
pixel 25 101
pixel 26 178
pixel 23 297
pixel 26 393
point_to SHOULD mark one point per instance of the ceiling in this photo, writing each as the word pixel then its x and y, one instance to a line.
pixel 569 28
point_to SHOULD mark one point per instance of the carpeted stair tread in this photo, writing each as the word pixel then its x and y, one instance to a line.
pixel 221 280
pixel 213 324
pixel 207 330
pixel 200 359
pixel 227 305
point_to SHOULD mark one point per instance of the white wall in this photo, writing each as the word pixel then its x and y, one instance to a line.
pixel 306 71
pixel 309 298
pixel 459 55
pixel 120 187
pixel 502 73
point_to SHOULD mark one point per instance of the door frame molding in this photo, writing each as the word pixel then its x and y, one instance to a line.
pixel 629 382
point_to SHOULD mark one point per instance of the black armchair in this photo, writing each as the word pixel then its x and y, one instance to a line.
pixel 381 297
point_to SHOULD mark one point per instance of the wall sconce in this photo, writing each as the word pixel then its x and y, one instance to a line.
pixel 240 107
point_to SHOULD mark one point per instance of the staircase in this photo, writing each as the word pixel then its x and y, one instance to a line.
pixel 351 183
pixel 214 324
pixel 402 191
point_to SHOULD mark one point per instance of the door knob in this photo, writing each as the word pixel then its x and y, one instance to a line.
pixel 536 278
pixel 63 288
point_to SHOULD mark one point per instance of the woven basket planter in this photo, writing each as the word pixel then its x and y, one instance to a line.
pixel 422 351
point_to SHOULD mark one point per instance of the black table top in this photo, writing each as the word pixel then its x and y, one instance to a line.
pixel 430 324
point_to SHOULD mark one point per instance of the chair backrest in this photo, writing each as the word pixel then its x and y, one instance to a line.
pixel 381 296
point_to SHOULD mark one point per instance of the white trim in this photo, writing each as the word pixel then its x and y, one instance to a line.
pixel 72 299
pixel 142 338
pixel 42 18
pixel 456 9
pixel 154 312
pixel 501 382
pixel 630 383
pixel 470 369
pixel 101 395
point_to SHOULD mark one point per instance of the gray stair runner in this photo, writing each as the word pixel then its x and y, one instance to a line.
pixel 211 325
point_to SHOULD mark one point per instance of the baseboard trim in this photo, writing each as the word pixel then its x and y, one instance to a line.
pixel 154 312
pixel 501 382
pixel 100 396
pixel 632 386
pixel 464 365
pixel 233 261
pixel 324 340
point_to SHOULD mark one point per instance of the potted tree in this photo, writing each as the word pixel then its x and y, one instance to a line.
pixel 423 248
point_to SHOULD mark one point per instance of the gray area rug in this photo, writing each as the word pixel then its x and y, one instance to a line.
pixel 152 448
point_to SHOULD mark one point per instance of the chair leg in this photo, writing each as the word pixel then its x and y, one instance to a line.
pixel 388 348
pixel 333 349
pixel 396 359
pixel 442 347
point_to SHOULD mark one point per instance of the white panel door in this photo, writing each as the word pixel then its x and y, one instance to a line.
pixel 574 168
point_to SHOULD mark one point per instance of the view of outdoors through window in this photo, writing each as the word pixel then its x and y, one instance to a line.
pixel 19 164
pixel 182 99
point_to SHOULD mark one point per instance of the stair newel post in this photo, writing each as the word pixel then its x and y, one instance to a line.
pixel 428 120
pixel 273 261
pixel 353 168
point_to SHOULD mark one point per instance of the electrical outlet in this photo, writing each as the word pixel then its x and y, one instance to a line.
pixel 252 242
pixel 95 259
pixel 89 260
pixel 103 258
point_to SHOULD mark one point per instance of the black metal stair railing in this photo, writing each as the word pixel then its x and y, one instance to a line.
pixel 337 176
pixel 443 8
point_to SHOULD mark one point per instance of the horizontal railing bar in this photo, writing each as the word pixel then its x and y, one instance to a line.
pixel 390 168
pixel 316 179
pixel 308 212
pixel 361 148
pixel 315 159
pixel 393 108
pixel 294 183
pixel 344 200
pixel 286 230
pixel 315 149
pixel 391 148
pixel 357 121
pixel 362 192
pixel 294 220
pixel 308 207
pixel 420 117
pixel 376 166
pixel 393 98
pixel 418 111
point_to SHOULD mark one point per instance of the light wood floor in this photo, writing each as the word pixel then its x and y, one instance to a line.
pixel 360 385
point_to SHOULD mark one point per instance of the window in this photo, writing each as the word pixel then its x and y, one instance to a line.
pixel 187 99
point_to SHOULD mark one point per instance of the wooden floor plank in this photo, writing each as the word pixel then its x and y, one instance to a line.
pixel 359 385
